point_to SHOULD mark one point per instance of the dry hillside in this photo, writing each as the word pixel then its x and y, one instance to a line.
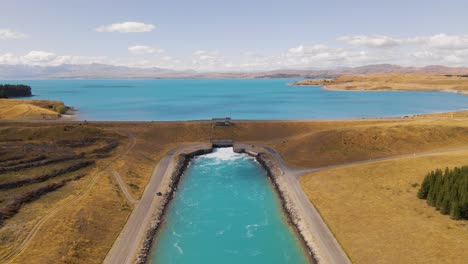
pixel 31 109
pixel 80 220
pixel 403 82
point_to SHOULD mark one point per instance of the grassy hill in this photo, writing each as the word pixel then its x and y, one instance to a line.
pixel 31 109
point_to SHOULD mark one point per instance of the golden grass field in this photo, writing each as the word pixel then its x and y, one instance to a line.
pixel 374 213
pixel 30 109
pixel 92 210
pixel 394 81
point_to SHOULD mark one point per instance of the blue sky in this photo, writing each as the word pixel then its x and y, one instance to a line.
pixel 234 35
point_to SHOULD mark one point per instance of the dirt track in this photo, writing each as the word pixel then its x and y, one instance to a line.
pixel 24 245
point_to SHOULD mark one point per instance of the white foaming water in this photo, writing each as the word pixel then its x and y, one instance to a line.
pixel 225 202
pixel 224 154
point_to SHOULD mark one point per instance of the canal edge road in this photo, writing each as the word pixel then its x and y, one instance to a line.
pixel 328 249
pixel 127 245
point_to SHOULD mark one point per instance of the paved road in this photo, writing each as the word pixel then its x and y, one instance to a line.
pixel 125 248
pixel 329 246
pixel 329 249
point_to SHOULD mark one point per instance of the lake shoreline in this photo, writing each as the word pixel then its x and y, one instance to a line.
pixel 257 99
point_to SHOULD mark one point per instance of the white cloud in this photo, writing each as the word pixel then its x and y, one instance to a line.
pixel 438 41
pixel 463 53
pixel 424 54
pixel 44 58
pixel 140 50
pixel 10 34
pixel 441 49
pixel 313 49
pixel 207 56
pixel 127 27
pixel 371 41
pixel 324 56
pixel 443 41
pixel 39 56
pixel 8 58
pixel 207 60
pixel 452 59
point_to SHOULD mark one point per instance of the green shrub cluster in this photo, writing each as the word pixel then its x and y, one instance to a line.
pixel 447 191
pixel 61 109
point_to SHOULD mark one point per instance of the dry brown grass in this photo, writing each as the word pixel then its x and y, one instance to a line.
pixel 373 211
pixel 373 140
pixel 29 109
pixel 85 229
pixel 83 232
pixel 413 82
pixel 52 140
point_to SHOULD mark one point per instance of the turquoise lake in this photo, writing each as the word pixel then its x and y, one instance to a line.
pixel 194 99
pixel 226 211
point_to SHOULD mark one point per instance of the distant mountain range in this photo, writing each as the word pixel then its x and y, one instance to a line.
pixel 102 71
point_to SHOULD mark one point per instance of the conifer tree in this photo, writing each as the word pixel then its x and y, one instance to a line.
pixel 447 191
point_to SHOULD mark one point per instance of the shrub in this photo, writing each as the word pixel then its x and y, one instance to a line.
pixel 13 208
pixel 44 177
pixel 61 109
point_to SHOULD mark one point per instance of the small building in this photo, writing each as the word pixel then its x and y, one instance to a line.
pixel 226 121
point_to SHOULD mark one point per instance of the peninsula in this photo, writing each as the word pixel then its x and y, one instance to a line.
pixel 27 109
pixel 393 82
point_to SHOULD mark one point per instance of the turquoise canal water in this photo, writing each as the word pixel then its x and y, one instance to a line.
pixel 226 211
pixel 189 99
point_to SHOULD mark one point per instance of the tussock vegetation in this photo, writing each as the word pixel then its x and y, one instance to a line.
pixel 373 211
pixel 370 141
pixel 31 109
pixel 56 172
pixel 109 146
pixel 11 209
pixel 35 162
pixel 42 165
pixel 8 157
pixel 18 161
pixel 447 191
pixel 381 206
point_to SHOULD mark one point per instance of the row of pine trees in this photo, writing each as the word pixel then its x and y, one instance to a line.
pixel 447 191
pixel 14 90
